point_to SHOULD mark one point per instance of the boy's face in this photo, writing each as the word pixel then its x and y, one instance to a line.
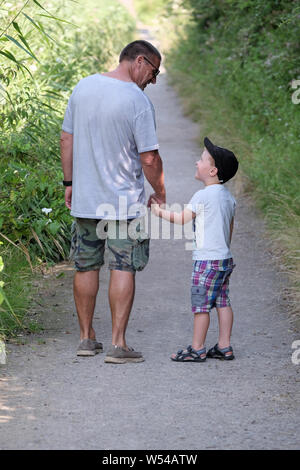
pixel 205 166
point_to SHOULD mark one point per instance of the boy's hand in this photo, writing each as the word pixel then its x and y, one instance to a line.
pixel 154 206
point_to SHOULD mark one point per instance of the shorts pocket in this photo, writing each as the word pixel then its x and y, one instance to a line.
pixel 140 254
pixel 198 296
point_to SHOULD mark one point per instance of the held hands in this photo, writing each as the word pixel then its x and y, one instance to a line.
pixel 156 199
pixel 154 206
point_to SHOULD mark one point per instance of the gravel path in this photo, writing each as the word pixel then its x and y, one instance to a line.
pixel 50 399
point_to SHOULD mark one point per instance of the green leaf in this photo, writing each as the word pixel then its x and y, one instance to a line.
pixel 39 5
pixel 50 14
pixel 31 20
pixel 44 32
pixel 54 227
pixel 38 27
pixel 10 56
pixel 16 26
pixel 20 46
pixel 59 19
pixel 22 37
pixel 51 92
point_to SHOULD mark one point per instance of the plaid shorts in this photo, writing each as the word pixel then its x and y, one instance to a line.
pixel 210 284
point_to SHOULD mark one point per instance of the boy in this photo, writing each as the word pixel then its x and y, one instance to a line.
pixel 212 209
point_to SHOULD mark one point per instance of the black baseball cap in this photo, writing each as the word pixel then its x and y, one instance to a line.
pixel 225 160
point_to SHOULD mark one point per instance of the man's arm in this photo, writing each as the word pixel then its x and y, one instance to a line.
pixel 66 152
pixel 153 170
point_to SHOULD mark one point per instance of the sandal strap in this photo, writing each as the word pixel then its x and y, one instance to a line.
pixel 224 350
pixel 199 352
pixel 189 351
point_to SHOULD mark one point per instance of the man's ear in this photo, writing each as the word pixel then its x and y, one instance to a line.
pixel 139 59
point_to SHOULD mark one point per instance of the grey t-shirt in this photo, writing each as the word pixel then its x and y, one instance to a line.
pixel 112 122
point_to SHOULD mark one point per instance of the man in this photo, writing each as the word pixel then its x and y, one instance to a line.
pixel 108 144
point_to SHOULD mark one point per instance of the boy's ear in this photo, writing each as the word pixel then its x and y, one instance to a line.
pixel 214 171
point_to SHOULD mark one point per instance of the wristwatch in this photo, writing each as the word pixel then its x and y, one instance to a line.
pixel 67 183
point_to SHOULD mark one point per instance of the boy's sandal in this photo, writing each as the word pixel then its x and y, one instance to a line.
pixel 218 353
pixel 189 355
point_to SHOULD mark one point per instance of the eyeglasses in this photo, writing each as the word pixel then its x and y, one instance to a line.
pixel 156 70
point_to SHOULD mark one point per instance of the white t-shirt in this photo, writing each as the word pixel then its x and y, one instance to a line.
pixel 112 122
pixel 214 207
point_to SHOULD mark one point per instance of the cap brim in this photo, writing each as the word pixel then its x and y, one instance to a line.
pixel 213 150
pixel 209 145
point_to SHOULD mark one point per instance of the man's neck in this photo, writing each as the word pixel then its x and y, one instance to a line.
pixel 120 73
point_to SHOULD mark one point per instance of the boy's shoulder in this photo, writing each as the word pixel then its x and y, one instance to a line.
pixel 211 194
pixel 206 193
pixel 228 193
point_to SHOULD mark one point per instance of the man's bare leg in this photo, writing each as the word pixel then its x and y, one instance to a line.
pixel 86 286
pixel 121 296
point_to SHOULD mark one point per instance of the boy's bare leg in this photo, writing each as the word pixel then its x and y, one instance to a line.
pixel 201 324
pixel 121 296
pixel 225 315
pixel 86 286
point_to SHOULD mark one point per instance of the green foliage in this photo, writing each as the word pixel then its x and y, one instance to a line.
pixel 148 10
pixel 246 55
pixel 12 301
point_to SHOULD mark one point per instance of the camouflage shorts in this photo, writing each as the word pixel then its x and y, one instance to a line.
pixel 124 253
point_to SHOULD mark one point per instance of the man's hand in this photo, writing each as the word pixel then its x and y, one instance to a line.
pixel 68 196
pixel 156 199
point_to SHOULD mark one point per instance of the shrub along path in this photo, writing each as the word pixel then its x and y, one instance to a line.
pixel 53 400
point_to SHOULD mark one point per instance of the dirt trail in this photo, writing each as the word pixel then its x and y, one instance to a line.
pixel 50 399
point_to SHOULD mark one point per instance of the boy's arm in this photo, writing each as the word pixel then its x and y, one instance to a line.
pixel 231 227
pixel 180 218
